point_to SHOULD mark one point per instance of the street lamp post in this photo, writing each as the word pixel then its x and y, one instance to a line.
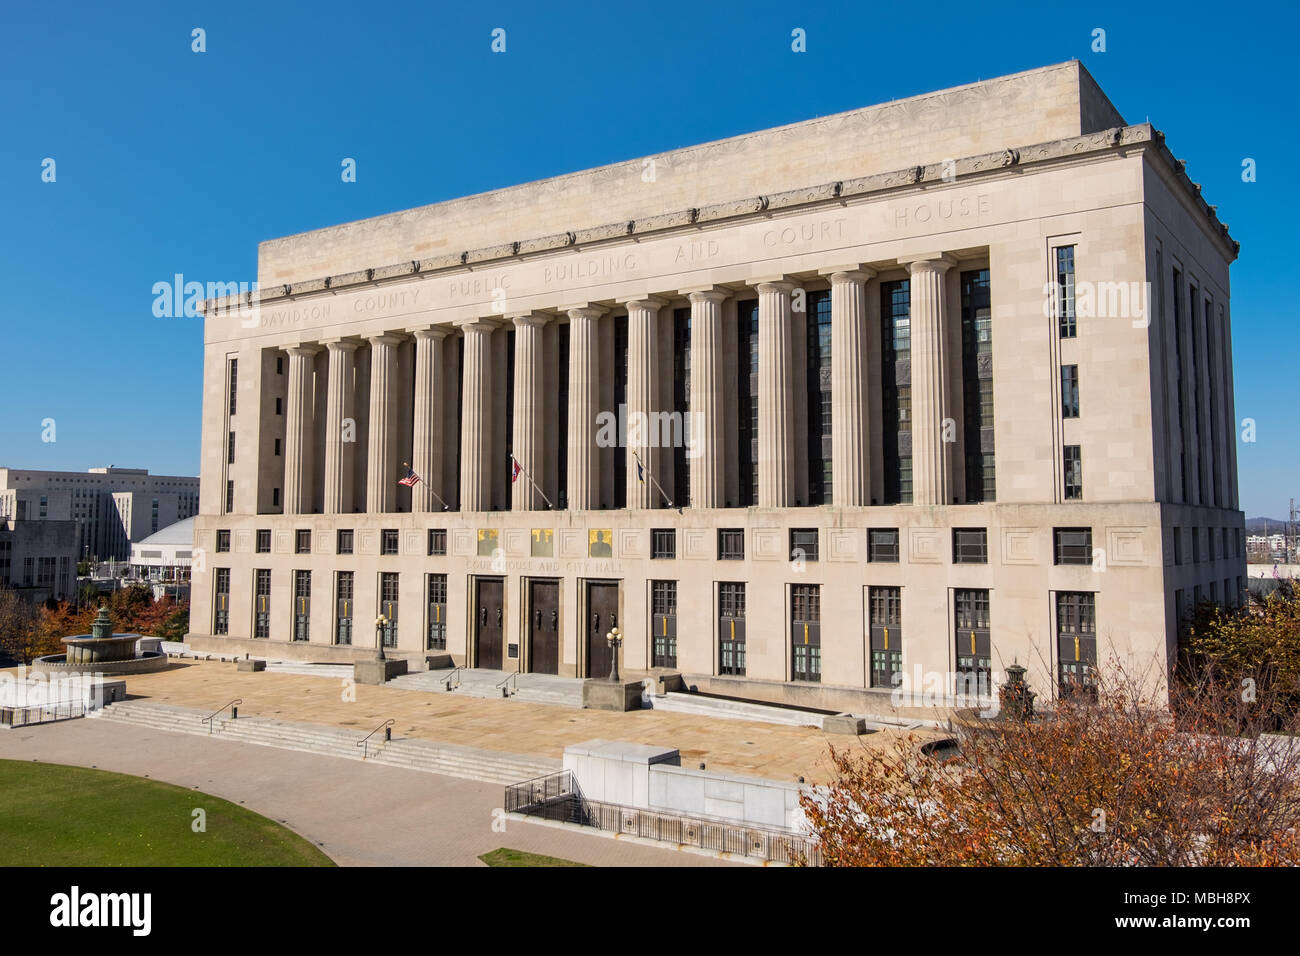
pixel 380 623
pixel 614 637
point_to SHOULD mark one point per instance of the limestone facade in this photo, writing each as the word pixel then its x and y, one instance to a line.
pixel 852 328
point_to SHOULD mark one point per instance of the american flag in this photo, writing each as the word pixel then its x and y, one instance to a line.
pixel 410 479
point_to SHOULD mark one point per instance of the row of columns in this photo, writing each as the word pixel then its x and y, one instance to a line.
pixel 851 409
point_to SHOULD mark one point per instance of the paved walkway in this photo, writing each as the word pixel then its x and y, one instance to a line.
pixel 735 746
pixel 360 814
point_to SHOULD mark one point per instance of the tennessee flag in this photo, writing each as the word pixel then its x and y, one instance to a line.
pixel 514 469
pixel 410 479
pixel 640 472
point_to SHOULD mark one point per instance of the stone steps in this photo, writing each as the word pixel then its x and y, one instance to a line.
pixel 414 754
pixel 530 688
pixel 332 671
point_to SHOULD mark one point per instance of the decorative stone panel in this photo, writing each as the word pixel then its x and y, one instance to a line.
pixel 925 545
pixel 1020 546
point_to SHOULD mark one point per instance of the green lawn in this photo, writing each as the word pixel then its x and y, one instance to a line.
pixel 53 815
pixel 508 857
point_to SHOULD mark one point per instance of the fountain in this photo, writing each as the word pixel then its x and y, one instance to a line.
pixel 102 652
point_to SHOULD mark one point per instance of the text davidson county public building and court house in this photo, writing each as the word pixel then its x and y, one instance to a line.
pixel 885 400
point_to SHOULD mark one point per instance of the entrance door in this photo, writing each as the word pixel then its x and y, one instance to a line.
pixel 544 627
pixel 487 623
pixel 602 615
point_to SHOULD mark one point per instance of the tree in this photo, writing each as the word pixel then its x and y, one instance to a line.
pixel 1120 781
pixel 21 635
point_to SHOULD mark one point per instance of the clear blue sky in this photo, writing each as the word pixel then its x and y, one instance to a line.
pixel 170 161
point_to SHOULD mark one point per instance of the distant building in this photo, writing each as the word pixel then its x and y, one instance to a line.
pixel 163 560
pixel 38 558
pixel 111 507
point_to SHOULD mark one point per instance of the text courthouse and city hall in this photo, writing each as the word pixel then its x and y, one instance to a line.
pixel 926 388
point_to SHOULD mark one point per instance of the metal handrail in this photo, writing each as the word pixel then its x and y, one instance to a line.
pixel 508 678
pixel 364 741
pixel 208 719
pixel 447 680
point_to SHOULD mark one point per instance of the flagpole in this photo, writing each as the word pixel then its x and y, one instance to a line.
pixel 549 504
pixel 653 480
pixel 428 487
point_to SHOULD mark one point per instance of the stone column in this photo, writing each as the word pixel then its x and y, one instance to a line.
pixel 476 418
pixel 584 392
pixel 931 403
pixel 706 428
pixel 529 404
pixel 850 396
pixel 298 453
pixel 642 379
pixel 339 404
pixel 426 440
pixel 381 466
pixel 775 467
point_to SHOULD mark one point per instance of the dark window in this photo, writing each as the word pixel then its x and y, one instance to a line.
pixel 747 400
pixel 970 546
pixel 221 602
pixel 234 381
pixel 731 544
pixel 974 643
pixel 805 632
pixel 562 406
pixel 437 541
pixel 276 449
pixel 223 541
pixel 1070 391
pixel 388 541
pixel 1073 473
pixel 388 592
pixel 663 623
pixel 620 398
pixel 436 639
pixel 262 602
pixel 302 541
pixel 1065 291
pixel 731 628
pixel 896 389
pixel 343 608
pixel 279 407
pixel 977 385
pixel 301 605
pixel 230 497
pixel 803 544
pixel 1072 545
pixel 1178 379
pixel 344 544
pixel 230 448
pixel 279 365
pixel 275 497
pixel 1196 545
pixel 819 397
pixel 886 637
pixel 1076 637
pixel 264 541
pixel 663 543
pixel 682 404
pixel 882 545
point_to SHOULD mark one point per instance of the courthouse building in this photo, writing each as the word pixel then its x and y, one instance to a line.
pixel 912 393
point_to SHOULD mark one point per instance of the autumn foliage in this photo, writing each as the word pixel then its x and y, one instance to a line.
pixel 28 631
pixel 1115 781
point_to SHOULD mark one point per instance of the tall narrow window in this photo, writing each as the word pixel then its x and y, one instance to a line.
pixel 1076 636
pixel 886 637
pixel 805 632
pixel 1069 391
pixel 388 607
pixel 663 623
pixel 562 408
pixel 262 602
pixel 620 399
pixel 896 389
pixel 230 448
pixel 343 608
pixel 682 405
pixel 233 366
pixel 731 628
pixel 230 497
pixel 1073 473
pixel 974 642
pixel 1178 381
pixel 747 400
pixel 1065 291
pixel 436 639
pixel 220 603
pixel 819 397
pixel 977 385
pixel 301 605
pixel 1193 328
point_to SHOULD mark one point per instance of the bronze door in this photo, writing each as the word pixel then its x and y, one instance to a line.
pixel 602 615
pixel 544 627
pixel 488 623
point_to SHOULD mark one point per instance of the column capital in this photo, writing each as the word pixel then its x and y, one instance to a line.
pixel 303 348
pixel 648 302
pixel 477 325
pixel 386 338
pixel 342 345
pixel 706 293
pixel 430 331
pixel 848 273
pixel 534 319
pixel 929 262
pixel 584 311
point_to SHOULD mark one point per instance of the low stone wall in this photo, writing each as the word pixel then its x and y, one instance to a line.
pixel 310 653
pixel 58 664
